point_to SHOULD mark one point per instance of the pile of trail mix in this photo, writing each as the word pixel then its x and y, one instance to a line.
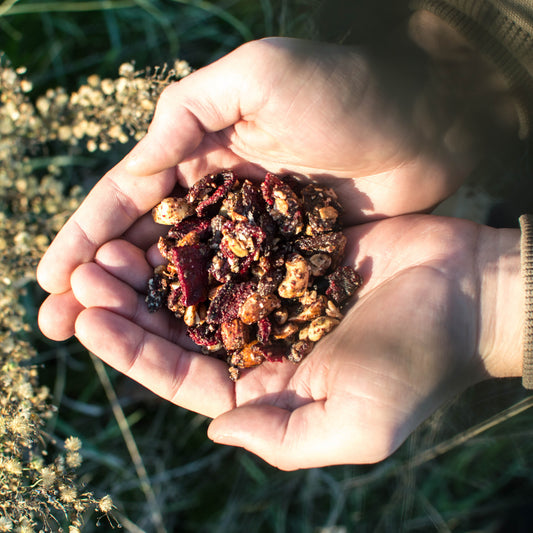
pixel 254 271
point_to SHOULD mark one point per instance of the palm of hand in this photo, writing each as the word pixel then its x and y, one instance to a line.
pixel 393 359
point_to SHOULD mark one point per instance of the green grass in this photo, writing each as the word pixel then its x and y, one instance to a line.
pixel 154 458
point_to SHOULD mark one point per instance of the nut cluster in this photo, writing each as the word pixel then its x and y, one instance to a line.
pixel 255 272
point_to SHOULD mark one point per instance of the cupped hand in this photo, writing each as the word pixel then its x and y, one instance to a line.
pixel 329 112
pixel 414 337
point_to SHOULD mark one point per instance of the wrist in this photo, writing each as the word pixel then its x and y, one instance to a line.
pixel 501 302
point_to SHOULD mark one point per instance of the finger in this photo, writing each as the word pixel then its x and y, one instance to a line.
pixel 193 381
pixel 125 262
pixel 208 100
pixel 308 437
pixel 58 314
pixel 154 257
pixel 112 206
pixel 144 232
pixel 94 287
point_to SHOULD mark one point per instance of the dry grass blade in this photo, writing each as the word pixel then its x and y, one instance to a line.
pixel 392 467
pixel 461 438
pixel 131 444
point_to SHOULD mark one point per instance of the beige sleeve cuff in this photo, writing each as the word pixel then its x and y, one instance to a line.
pixel 526 269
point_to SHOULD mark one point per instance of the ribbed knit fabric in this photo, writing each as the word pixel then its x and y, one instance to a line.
pixel 526 269
pixel 502 30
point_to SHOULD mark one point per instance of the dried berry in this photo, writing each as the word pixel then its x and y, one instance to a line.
pixel 253 271
pixel 342 284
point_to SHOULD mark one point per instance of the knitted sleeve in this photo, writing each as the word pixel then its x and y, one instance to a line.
pixel 526 268
pixel 502 30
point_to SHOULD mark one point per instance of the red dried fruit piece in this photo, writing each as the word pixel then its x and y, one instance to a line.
pixel 273 352
pixel 283 205
pixel 227 302
pixel 211 189
pixel 264 328
pixel 191 264
pixel 342 284
pixel 201 227
pixel 206 335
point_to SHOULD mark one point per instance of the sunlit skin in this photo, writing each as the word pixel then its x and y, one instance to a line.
pixel 422 327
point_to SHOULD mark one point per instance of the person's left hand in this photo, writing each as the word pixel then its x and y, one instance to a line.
pixel 420 331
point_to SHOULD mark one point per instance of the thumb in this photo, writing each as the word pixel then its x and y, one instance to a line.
pixel 206 101
pixel 304 438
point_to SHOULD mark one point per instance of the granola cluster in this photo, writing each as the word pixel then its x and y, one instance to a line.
pixel 254 271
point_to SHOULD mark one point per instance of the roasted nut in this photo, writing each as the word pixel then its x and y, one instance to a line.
pixel 299 350
pixel 321 326
pixel 233 373
pixel 280 316
pixel 284 332
pixel 171 211
pixel 257 307
pixel 319 264
pixel 235 246
pixel 303 334
pixel 250 355
pixel 296 278
pixel 333 311
pixel 311 308
pixel 191 317
pixel 234 334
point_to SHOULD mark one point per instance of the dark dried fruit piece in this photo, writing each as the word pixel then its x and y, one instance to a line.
pixel 299 350
pixel 332 243
pixel 283 205
pixel 210 190
pixel 206 335
pixel 157 293
pixel 322 209
pixel 226 304
pixel 342 284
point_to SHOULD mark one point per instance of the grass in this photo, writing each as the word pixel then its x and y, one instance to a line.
pixel 467 468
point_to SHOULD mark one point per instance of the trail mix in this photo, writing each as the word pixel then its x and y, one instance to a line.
pixel 254 271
